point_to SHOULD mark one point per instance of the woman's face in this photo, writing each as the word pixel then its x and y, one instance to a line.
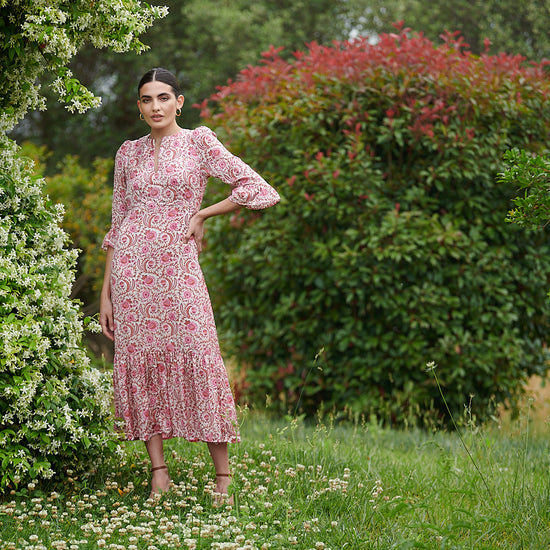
pixel 158 104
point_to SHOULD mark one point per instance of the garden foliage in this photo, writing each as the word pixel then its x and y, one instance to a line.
pixel 389 248
pixel 39 37
pixel 531 174
pixel 55 408
pixel 87 193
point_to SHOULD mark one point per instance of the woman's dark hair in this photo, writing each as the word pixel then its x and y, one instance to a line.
pixel 161 75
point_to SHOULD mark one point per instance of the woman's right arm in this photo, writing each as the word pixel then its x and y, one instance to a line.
pixel 120 207
pixel 105 304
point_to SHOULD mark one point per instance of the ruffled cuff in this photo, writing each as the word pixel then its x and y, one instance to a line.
pixel 109 240
pixel 255 196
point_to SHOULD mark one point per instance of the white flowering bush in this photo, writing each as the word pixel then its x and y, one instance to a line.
pixel 55 407
pixel 39 36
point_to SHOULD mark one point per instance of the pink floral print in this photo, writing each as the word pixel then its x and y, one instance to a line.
pixel 169 376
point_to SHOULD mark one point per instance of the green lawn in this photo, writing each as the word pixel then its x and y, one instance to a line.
pixel 308 486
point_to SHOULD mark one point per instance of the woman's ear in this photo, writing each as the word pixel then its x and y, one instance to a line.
pixel 181 101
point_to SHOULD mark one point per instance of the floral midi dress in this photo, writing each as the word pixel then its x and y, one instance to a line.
pixel 169 376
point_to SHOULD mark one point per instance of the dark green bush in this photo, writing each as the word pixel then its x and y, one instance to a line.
pixel 389 248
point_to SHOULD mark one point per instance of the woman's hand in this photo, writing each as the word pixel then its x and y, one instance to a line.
pixel 196 224
pixel 196 230
pixel 106 317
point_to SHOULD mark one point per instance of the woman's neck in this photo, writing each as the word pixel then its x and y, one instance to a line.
pixel 159 133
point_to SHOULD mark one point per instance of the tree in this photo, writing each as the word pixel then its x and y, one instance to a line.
pixel 509 27
pixel 55 408
pixel 389 248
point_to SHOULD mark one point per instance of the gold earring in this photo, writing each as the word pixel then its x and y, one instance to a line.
pixel 141 116
pixel 178 112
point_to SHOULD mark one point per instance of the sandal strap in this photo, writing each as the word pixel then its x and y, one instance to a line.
pixel 159 468
pixel 223 475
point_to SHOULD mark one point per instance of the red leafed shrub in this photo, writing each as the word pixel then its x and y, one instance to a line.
pixel 389 248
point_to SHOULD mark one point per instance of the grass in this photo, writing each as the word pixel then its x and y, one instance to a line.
pixel 326 485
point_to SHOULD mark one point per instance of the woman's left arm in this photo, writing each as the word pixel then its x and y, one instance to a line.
pixel 196 224
pixel 250 190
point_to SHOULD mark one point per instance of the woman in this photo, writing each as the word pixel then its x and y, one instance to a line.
pixel 169 377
